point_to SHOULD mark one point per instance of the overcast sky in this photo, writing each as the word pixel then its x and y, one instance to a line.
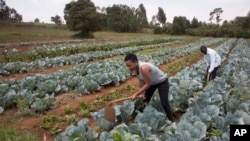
pixel 45 9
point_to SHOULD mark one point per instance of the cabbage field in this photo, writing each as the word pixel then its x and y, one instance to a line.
pixel 208 110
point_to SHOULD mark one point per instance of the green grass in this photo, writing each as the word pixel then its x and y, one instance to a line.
pixel 33 32
pixel 8 133
pixel 114 36
pixel 26 32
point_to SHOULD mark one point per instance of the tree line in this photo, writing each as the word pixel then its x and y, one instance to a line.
pixel 85 18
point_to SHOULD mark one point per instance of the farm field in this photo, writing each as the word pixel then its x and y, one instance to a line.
pixel 57 90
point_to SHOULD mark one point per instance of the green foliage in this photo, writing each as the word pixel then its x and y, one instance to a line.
pixel 85 109
pixel 81 16
pixel 180 24
pixel 228 30
pixel 48 121
pixel 141 15
pixel 57 20
pixel 215 14
pixel 9 14
pixel 83 105
pixel 84 112
pixel 55 129
pixel 163 30
pixel 8 133
pixel 161 16
pixel 72 119
pixel 67 109
pixel 40 53
pixel 215 132
pixel 121 18
pixel 80 132
pixel 194 23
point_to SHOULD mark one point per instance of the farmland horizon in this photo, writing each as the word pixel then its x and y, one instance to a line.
pixel 44 10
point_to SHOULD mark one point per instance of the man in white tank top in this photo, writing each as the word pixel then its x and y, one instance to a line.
pixel 151 78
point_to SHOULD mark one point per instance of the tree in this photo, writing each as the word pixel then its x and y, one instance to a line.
pixel 195 23
pixel 121 18
pixel 37 20
pixel 2 5
pixel 180 24
pixel 141 15
pixel 246 23
pixel 216 12
pixel 161 16
pixel 154 21
pixel 57 20
pixel 9 14
pixel 81 16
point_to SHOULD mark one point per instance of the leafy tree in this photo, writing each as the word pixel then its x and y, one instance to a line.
pixel 2 5
pixel 180 24
pixel 37 20
pixel 9 14
pixel 102 12
pixel 161 16
pixel 240 21
pixel 154 21
pixel 246 23
pixel 121 18
pixel 57 20
pixel 141 15
pixel 216 12
pixel 81 16
pixel 195 23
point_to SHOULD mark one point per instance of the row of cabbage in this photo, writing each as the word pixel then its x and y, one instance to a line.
pixel 42 43
pixel 69 49
pixel 204 108
pixel 107 45
pixel 22 67
pixel 39 91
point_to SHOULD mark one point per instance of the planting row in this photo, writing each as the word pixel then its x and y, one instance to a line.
pixel 41 43
pixel 71 49
pixel 185 93
pixel 23 67
pixel 39 91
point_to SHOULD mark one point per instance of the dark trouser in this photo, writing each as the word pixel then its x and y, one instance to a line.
pixel 163 89
pixel 213 73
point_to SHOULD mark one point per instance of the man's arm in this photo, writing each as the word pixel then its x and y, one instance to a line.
pixel 145 70
pixel 141 83
pixel 212 61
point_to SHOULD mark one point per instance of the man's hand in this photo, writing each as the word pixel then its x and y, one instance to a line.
pixel 133 97
pixel 142 96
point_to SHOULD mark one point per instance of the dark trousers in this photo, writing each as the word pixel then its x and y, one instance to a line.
pixel 163 89
pixel 213 73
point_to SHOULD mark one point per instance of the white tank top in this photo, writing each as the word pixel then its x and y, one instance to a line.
pixel 157 76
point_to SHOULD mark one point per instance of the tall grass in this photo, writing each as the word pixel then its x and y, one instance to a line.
pixel 33 32
pixel 8 133
pixel 26 32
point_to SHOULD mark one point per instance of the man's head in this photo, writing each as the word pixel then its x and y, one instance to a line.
pixel 131 61
pixel 203 49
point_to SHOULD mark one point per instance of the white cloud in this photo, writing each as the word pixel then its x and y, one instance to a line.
pixel 35 2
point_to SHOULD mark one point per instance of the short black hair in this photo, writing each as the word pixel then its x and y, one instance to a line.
pixel 131 56
pixel 203 49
